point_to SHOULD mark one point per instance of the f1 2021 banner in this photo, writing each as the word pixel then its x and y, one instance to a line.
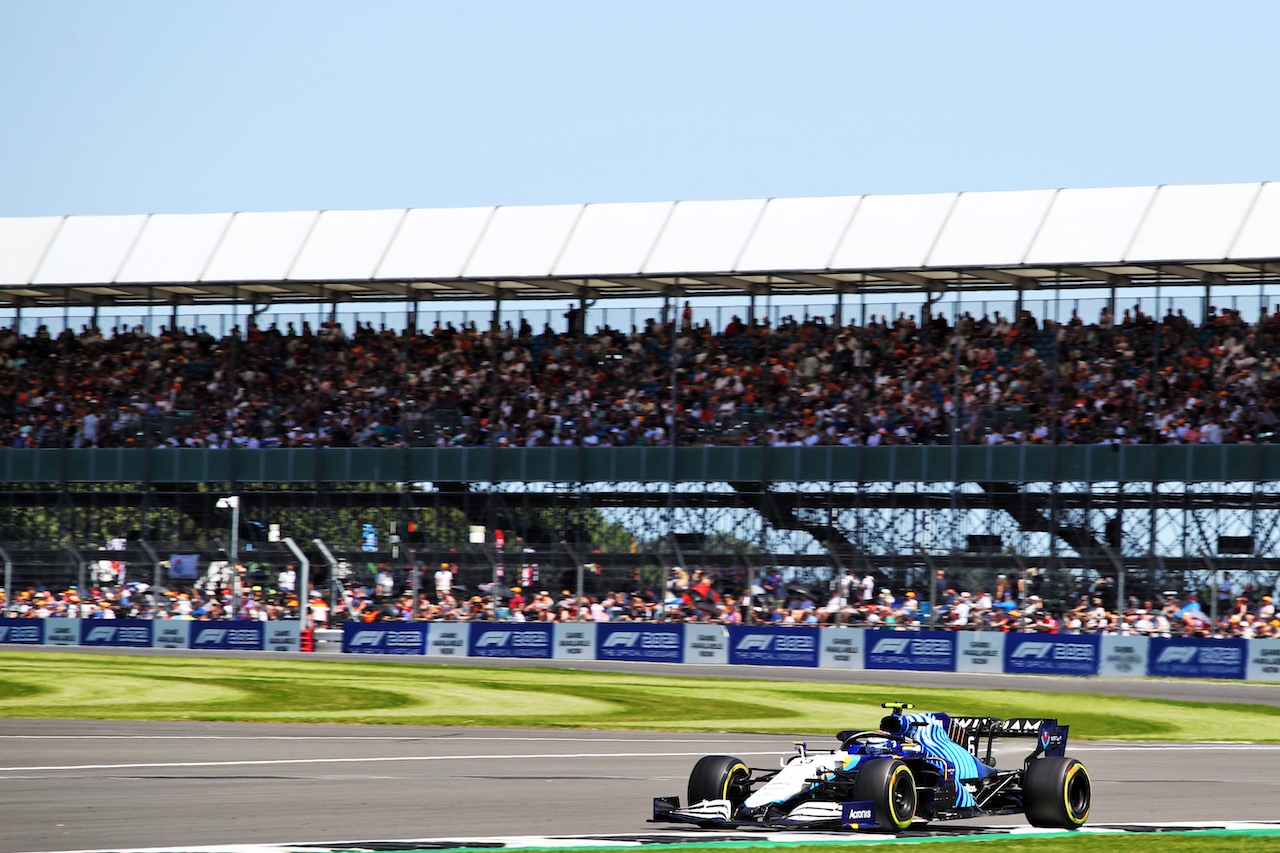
pixel 1195 658
pixel 926 651
pixel 773 646
pixel 656 643
pixel 511 640
pixel 384 638
pixel 1051 654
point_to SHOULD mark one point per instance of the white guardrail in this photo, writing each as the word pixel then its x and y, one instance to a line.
pixel 830 647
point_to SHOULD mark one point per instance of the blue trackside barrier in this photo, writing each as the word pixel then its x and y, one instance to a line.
pixel 28 632
pixel 1051 654
pixel 242 636
pixel 765 646
pixel 924 651
pixel 1197 658
pixel 660 643
pixel 511 640
pixel 384 638
pixel 134 633
pixel 837 647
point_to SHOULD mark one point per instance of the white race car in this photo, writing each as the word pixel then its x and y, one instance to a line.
pixel 915 767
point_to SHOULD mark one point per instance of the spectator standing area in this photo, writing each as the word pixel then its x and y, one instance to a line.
pixel 847 465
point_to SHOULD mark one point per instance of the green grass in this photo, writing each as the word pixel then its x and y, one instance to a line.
pixel 77 686
pixel 1206 842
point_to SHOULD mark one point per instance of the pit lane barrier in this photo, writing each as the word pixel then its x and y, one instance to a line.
pixel 673 642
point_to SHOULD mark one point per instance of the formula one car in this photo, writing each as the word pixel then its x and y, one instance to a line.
pixel 915 767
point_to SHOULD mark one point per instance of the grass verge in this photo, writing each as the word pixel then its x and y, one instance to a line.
pixel 1224 841
pixel 79 686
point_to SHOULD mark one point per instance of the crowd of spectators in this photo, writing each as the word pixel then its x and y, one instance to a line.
pixel 1131 379
pixel 1009 605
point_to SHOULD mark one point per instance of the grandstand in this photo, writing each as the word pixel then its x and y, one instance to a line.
pixel 965 496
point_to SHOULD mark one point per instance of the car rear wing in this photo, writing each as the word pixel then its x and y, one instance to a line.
pixel 1051 738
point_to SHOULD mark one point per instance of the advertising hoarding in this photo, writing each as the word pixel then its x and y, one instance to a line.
pixel 575 641
pixel 706 643
pixel 841 648
pixel 25 631
pixel 448 639
pixel 979 651
pixel 171 633
pixel 132 633
pixel 923 651
pixel 1123 656
pixel 661 642
pixel 384 638
pixel 1051 654
pixel 1189 657
pixel 773 646
pixel 511 640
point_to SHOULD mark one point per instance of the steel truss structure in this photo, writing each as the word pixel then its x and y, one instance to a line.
pixel 1062 538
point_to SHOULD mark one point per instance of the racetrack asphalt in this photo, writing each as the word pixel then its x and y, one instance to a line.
pixel 76 785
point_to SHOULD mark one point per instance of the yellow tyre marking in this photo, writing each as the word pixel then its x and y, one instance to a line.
pixel 728 778
pixel 1066 795
pixel 893 784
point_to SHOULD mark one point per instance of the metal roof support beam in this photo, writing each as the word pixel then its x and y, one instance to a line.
pixel 1021 282
pixel 579 290
pixel 75 294
pixel 392 287
pixel 646 284
pixel 911 278
pixel 1109 279
pixel 235 293
pixel 1191 272
pixel 316 290
pixel 752 287
pixel 1266 267
pixel 471 287
pixel 837 284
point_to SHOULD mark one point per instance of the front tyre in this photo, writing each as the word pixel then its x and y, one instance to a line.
pixel 887 783
pixel 1056 793
pixel 719 777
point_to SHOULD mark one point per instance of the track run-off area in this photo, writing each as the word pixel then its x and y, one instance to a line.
pixel 214 786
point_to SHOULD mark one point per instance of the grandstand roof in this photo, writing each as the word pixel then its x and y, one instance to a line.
pixel 1211 234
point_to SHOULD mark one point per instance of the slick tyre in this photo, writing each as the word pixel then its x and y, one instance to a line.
pixel 1056 793
pixel 719 777
pixel 888 784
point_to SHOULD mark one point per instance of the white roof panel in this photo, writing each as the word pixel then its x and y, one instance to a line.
pixel 798 233
pixel 89 249
pixel 1192 222
pixel 260 246
pixel 174 247
pixel 1090 226
pixel 434 243
pixel 990 229
pixel 891 231
pixel 1260 236
pixel 523 241
pixel 704 236
pixel 613 239
pixel 346 244
pixel 23 242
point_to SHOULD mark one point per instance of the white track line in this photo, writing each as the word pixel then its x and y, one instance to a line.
pixel 366 760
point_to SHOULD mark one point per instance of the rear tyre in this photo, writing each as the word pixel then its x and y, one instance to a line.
pixel 719 777
pixel 887 783
pixel 1056 793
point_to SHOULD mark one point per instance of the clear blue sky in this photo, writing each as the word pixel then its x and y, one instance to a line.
pixel 217 105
